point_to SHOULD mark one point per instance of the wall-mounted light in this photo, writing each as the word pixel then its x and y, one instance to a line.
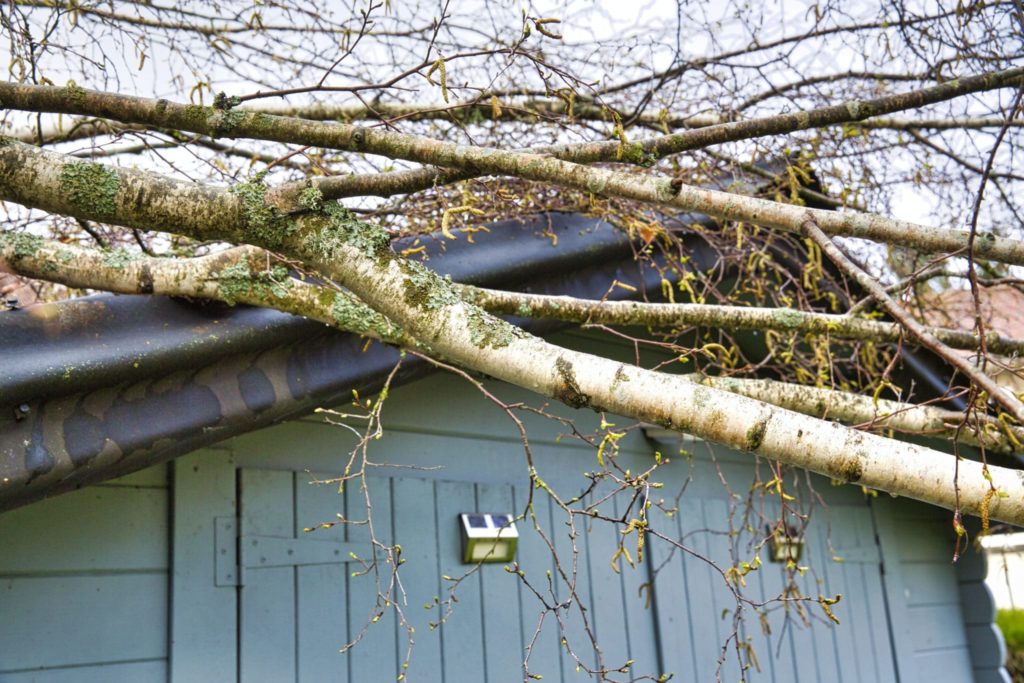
pixel 786 544
pixel 488 537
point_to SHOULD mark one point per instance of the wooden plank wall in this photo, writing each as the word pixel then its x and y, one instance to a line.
pixel 84 585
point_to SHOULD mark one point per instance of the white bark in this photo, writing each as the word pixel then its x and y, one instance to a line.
pixel 428 309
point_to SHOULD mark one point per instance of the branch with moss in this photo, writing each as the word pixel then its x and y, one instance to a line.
pixel 876 413
pixel 682 315
pixel 357 256
pixel 15 158
pixel 240 275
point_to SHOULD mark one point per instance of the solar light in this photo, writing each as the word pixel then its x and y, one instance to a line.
pixel 785 544
pixel 488 537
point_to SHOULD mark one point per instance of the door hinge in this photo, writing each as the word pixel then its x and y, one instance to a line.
pixel 237 552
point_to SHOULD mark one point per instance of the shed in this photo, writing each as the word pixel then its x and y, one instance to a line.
pixel 160 467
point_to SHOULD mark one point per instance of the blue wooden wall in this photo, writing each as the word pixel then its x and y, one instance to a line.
pixel 84 585
pixel 85 594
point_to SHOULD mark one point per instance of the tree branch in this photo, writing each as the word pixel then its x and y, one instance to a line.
pixel 922 334
pixel 356 255
pixel 723 317
pixel 876 414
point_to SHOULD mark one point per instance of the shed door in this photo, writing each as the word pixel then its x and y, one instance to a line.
pixel 292 595
pixel 303 596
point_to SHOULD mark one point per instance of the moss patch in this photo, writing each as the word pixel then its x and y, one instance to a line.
pixel 355 316
pixel 788 318
pixel 75 93
pixel 263 224
pixel 851 469
pixel 340 228
pixel 225 122
pixel 237 281
pixel 426 289
pixel 117 258
pixel 90 187
pixel 311 199
pixel 23 244
pixel 487 330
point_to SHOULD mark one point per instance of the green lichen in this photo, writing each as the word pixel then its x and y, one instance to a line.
pixel 222 101
pixel 261 122
pixel 117 258
pixel 487 330
pixel 197 117
pixel 633 153
pixel 264 224
pixel 90 187
pixel 664 190
pixel 596 185
pixel 355 316
pixel 339 228
pixel 426 289
pixel 237 281
pixel 788 318
pixel 23 244
pixel 75 93
pixel 312 199
pixel 225 122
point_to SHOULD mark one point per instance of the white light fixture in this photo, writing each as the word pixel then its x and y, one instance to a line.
pixel 488 537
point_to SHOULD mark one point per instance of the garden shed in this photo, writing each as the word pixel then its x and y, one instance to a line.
pixel 157 513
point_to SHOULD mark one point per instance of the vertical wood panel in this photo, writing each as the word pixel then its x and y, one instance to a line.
pixel 607 609
pixel 702 584
pixel 322 611
pixel 534 558
pixel 827 636
pixel 416 532
pixel 575 631
pixel 375 657
pixel 672 602
pixel 462 639
pixel 639 617
pixel 267 613
pixel 204 635
pixel 775 651
pixel 500 593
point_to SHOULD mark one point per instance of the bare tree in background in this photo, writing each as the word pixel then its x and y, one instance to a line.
pixel 871 152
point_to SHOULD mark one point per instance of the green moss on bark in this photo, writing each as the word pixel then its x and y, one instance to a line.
pixel 312 199
pixel 755 435
pixel 355 316
pixel 237 281
pixel 91 187
pixel 75 93
pixel 487 330
pixel 117 258
pixel 426 289
pixel 338 228
pixel 23 244
pixel 263 223
pixel 568 391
